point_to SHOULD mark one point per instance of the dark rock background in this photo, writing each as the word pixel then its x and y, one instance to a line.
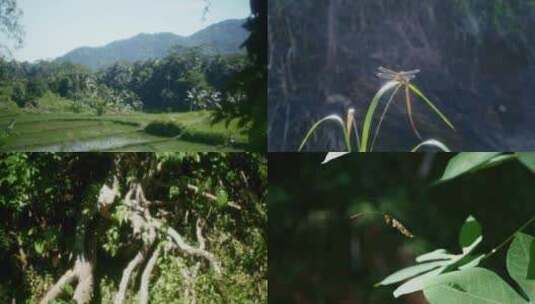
pixel 476 56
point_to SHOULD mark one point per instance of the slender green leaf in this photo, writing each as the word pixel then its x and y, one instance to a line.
pixel 381 119
pixel 431 105
pixel 521 263
pixel 334 118
pixel 366 130
pixel 439 254
pixel 417 283
pixel 474 286
pixel 410 272
pixel 431 143
pixel 474 261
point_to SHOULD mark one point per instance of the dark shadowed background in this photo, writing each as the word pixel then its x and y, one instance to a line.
pixel 317 255
pixel 476 57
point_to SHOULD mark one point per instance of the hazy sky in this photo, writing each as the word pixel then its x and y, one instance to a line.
pixel 54 27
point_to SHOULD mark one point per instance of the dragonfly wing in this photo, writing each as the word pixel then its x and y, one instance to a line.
pixel 411 72
pixel 385 70
pixel 385 76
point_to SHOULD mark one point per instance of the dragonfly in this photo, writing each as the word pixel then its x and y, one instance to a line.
pixel 402 76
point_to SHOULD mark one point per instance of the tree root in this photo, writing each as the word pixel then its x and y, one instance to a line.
pixel 57 289
pixel 188 249
pixel 125 279
pixel 150 230
pixel 145 278
pixel 81 272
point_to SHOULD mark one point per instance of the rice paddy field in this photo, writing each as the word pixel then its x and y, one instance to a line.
pixel 71 132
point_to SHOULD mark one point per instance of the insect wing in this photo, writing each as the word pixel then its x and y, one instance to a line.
pixel 385 70
pixel 386 76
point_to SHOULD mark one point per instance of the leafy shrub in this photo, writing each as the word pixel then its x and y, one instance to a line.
pixel 100 107
pixel 76 107
pixel 172 129
pixel 165 128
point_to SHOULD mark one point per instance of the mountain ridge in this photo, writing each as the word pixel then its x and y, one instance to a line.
pixel 225 37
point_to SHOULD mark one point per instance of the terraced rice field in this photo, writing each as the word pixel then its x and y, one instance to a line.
pixel 71 132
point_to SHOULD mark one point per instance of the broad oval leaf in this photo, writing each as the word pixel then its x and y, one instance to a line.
pixel 474 286
pixel 521 263
pixel 466 162
pixel 470 231
pixel 527 159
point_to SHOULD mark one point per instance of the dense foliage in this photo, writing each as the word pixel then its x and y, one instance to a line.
pixel 54 211
pixel 249 88
pixel 182 81
pixel 10 26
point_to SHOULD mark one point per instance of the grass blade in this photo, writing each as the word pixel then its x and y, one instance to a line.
pixel 334 118
pixel 408 100
pixel 432 143
pixel 380 123
pixel 431 105
pixel 371 110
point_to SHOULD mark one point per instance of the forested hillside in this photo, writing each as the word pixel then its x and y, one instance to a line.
pixel 125 228
pixel 222 38
pixel 172 83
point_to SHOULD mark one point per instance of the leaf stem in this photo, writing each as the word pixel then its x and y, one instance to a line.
pixel 524 226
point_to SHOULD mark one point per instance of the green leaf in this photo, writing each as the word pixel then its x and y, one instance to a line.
pixel 333 155
pixel 448 262
pixel 466 162
pixel 410 272
pixel 470 231
pixel 67 288
pixel 367 127
pixel 431 143
pixel 39 247
pixel 417 283
pixel 474 261
pixel 431 105
pixel 527 159
pixel 334 118
pixel 474 286
pixel 471 247
pixel 439 254
pixel 222 198
pixel 521 263
pixel 174 191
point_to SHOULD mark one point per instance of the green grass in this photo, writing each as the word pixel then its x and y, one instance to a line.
pixel 67 131
pixel 365 142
